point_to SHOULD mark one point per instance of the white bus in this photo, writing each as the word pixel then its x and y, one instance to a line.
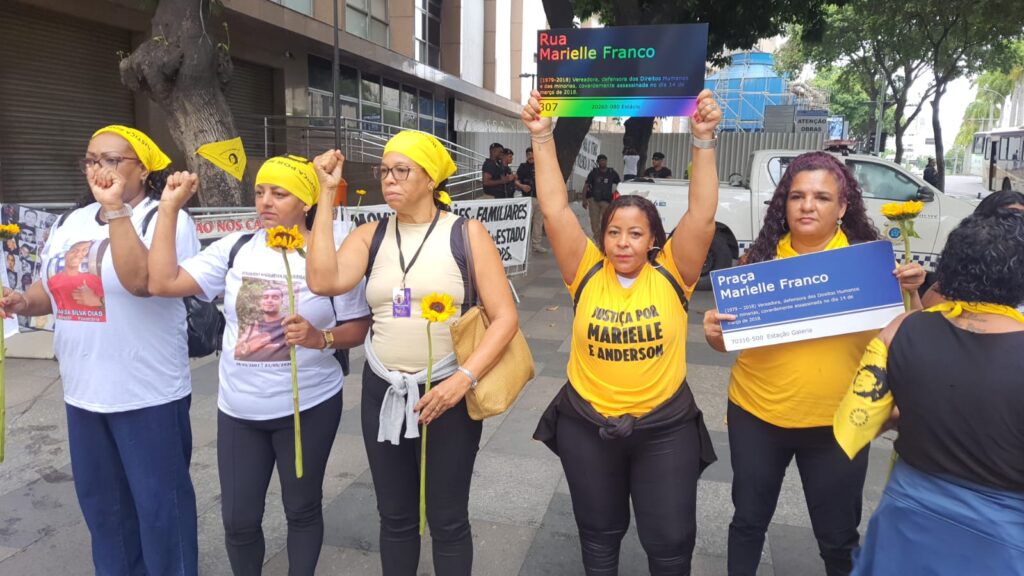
pixel 1003 151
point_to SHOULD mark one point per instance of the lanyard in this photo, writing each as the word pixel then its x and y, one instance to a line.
pixel 398 240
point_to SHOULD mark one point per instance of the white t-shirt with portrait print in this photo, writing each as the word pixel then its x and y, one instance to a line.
pixel 255 366
pixel 117 352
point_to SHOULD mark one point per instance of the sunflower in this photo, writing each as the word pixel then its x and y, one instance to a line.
pixel 361 192
pixel 444 198
pixel 897 211
pixel 285 239
pixel 437 307
pixel 8 231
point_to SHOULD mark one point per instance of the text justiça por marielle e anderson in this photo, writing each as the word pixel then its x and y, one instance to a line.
pixel 746 284
pixel 556 47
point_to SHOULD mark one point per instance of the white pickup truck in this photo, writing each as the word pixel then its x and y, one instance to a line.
pixel 741 209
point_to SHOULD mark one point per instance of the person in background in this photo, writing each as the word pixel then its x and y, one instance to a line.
pixel 930 174
pixel 782 398
pixel 515 185
pixel 626 426
pixel 951 377
pixel 598 192
pixel 658 168
pixel 123 359
pixel 527 175
pixel 493 173
pixel 255 418
pixel 630 160
pixel 420 251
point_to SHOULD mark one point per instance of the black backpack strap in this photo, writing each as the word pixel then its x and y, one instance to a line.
pixel 675 286
pixel 378 239
pixel 63 217
pixel 147 219
pixel 236 247
pixel 583 283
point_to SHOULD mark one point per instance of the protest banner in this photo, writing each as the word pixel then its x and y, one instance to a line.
pixel 621 70
pixel 507 221
pixel 214 226
pixel 23 254
pixel 811 296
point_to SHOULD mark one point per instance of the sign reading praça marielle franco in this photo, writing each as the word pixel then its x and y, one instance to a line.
pixel 811 296
pixel 507 221
pixel 621 70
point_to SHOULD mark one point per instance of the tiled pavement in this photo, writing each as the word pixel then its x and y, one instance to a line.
pixel 520 506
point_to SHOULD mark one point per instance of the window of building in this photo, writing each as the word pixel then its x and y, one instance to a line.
pixel 368 19
pixel 304 6
pixel 428 32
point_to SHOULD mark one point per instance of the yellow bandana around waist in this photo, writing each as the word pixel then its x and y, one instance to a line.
pixel 292 173
pixel 785 247
pixel 425 150
pixel 954 308
pixel 151 156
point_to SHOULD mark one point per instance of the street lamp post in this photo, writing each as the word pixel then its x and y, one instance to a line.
pixel 533 79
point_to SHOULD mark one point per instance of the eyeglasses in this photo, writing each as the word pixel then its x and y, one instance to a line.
pixel 105 161
pixel 399 171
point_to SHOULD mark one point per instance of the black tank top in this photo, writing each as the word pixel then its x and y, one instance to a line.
pixel 961 401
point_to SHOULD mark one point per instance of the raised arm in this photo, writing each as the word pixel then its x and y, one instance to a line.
pixel 127 250
pixel 567 238
pixel 166 278
pixel 331 272
pixel 696 228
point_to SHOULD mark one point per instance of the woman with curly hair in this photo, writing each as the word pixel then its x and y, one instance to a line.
pixel 954 503
pixel 782 398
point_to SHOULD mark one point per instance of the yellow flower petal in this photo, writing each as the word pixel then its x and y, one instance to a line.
pixel 361 192
pixel 437 307
pixel 902 210
pixel 285 239
pixel 444 198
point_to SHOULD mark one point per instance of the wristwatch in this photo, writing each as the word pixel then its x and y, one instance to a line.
pixel 124 212
pixel 328 339
pixel 705 144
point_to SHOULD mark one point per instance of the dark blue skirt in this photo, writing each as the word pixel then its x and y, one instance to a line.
pixel 936 525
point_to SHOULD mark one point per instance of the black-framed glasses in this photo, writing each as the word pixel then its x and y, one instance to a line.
pixel 399 171
pixel 104 161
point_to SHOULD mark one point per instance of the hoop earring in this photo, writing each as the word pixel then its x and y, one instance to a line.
pixel 839 223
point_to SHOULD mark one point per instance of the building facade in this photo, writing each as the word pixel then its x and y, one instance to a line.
pixel 441 66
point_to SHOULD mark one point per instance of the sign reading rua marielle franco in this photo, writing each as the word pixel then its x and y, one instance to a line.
pixel 507 221
pixel 811 296
pixel 621 70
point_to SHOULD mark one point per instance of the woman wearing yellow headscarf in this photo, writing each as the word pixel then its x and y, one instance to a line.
pixel 406 258
pixel 123 359
pixel 255 426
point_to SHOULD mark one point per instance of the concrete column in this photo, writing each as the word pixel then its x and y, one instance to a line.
pixel 402 27
pixel 451 37
pixel 516 67
pixel 490 58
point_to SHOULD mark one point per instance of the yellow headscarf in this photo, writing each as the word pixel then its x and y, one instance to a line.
pixel 424 150
pixel 151 156
pixel 293 173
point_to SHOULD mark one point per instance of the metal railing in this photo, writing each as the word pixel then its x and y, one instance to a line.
pixel 361 141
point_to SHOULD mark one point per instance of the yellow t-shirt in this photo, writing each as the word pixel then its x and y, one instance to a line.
pixel 628 344
pixel 798 384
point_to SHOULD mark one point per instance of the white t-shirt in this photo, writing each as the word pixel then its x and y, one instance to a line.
pixel 629 165
pixel 255 365
pixel 117 352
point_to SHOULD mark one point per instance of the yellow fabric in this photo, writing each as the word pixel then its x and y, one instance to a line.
pixel 797 384
pixel 954 308
pixel 424 150
pixel 628 344
pixel 292 173
pixel 151 156
pixel 867 404
pixel 228 155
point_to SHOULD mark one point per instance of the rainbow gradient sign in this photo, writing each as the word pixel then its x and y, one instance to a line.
pixel 622 70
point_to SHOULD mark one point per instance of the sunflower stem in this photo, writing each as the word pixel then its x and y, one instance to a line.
pixel 3 399
pixel 423 439
pixel 906 260
pixel 295 375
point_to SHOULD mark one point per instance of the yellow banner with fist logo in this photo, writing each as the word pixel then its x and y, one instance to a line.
pixel 227 155
pixel 867 404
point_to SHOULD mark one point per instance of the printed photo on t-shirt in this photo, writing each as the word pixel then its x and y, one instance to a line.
pixel 75 280
pixel 261 306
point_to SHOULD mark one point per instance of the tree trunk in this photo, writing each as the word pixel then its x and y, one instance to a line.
pixel 185 71
pixel 900 128
pixel 940 153
pixel 638 135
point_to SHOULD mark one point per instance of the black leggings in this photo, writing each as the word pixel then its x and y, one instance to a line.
pixel 246 453
pixel 833 486
pixel 657 468
pixel 452 444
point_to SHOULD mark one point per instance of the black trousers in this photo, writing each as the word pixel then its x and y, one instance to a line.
pixel 833 487
pixel 658 469
pixel 452 443
pixel 246 453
